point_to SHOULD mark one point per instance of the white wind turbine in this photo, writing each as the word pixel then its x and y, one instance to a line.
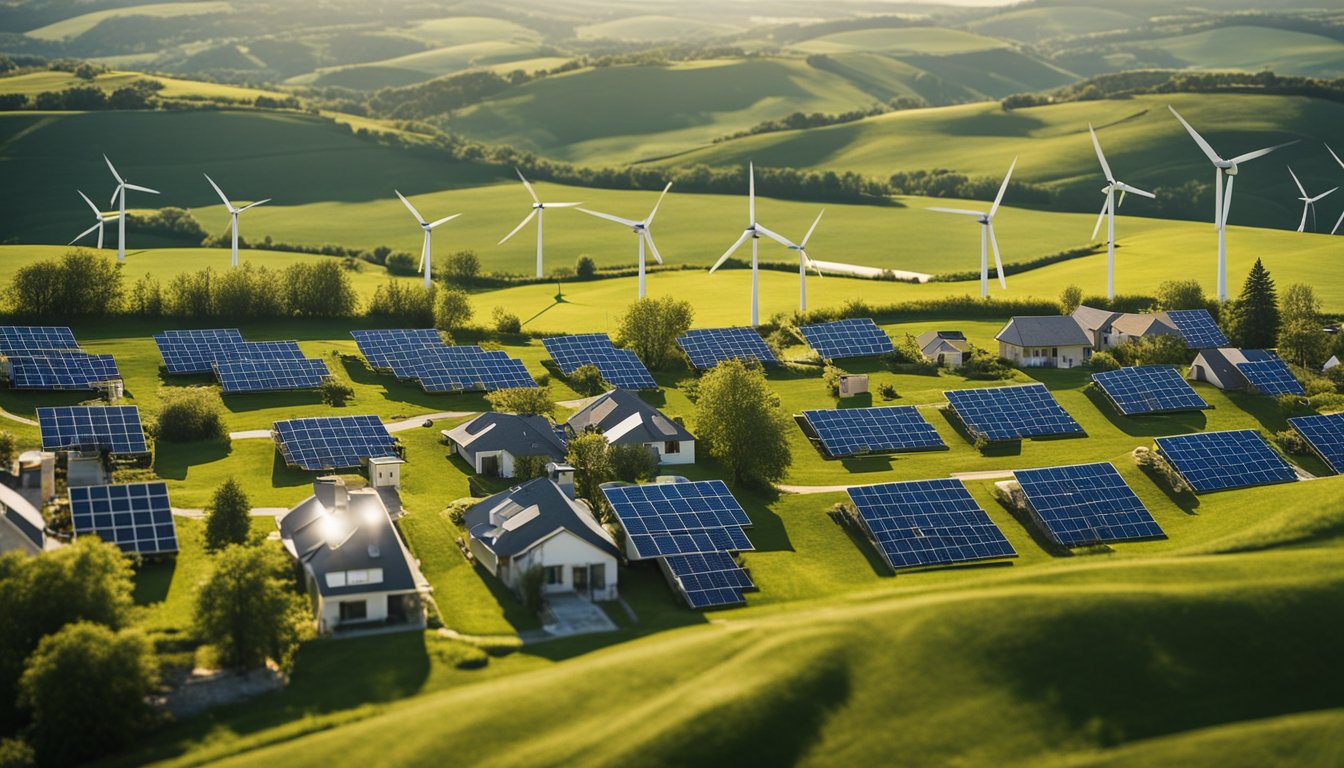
pixel 426 256
pixel 753 232
pixel 641 229
pixel 97 214
pixel 539 211
pixel 1108 211
pixel 987 238
pixel 1340 220
pixel 1222 201
pixel 1308 203
pixel 120 195
pixel 804 261
pixel 233 213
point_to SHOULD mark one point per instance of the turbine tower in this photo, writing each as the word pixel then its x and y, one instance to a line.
pixel 987 238
pixel 539 211
pixel 804 261
pixel 233 214
pixel 98 225
pixel 120 196
pixel 641 230
pixel 1340 220
pixel 1308 202
pixel 1222 201
pixel 1108 211
pixel 426 256
pixel 753 232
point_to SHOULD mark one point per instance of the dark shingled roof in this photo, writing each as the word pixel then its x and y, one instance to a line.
pixel 1044 331
pixel 1222 363
pixel 519 435
pixel 529 513
pixel 615 407
pixel 356 537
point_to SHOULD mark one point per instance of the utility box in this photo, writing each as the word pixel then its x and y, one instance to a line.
pixel 852 384
pixel 385 472
pixel 84 469
pixel 37 469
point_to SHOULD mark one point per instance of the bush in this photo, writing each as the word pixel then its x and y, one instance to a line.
pixel 650 328
pixel 981 365
pixel 404 302
pixel 522 400
pixel 454 309
pixel 402 263
pixel 229 520
pixel 888 392
pixel 457 511
pixel 1293 405
pixel 336 393
pixel 831 378
pixel 247 609
pixel 319 289
pixel 1291 442
pixel 461 267
pixel 1164 349
pixel 1103 361
pixel 585 268
pixel 529 467
pixel 190 414
pixel 9 448
pixel 79 283
pixel 1152 462
pixel 534 588
pixel 15 753
pixel 587 380
pixel 506 322
pixel 632 463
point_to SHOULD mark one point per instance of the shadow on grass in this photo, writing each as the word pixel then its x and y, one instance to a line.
pixel 864 400
pixel 864 545
pixel 260 401
pixel 152 581
pixel 513 609
pixel 172 460
pixel 1154 425
pixel 861 464
pixel 285 476
pixel 1187 501
pixel 1011 448
pixel 1038 535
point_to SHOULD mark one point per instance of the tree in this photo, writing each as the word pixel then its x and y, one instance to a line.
pixel 587 380
pixel 1162 349
pixel 78 283
pixel 247 609
pixel 404 301
pixel 590 457
pixel 229 519
pixel 454 310
pixel 1255 317
pixel 8 448
pixel 740 423
pixel 402 263
pixel 533 401
pixel 585 268
pixel 651 327
pixel 86 71
pixel 89 680
pixel 506 321
pixel 1070 298
pixel 461 267
pixel 1181 294
pixel 1302 337
pixel 319 289
pixel 189 414
pixel 632 462
pixel 336 393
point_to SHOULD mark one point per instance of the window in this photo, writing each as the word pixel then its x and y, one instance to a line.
pixel 1054 351
pixel 555 575
pixel 336 579
pixel 672 446
pixel 597 576
pixel 354 610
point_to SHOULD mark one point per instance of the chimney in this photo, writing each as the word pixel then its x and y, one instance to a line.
pixel 563 476
pixel 331 493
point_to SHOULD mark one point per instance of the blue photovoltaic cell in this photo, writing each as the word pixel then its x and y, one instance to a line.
pixel 1197 328
pixel 620 367
pixel 411 362
pixel 709 580
pixel 266 375
pixel 17 339
pixel 680 518
pixel 707 347
pixel 112 428
pixel 1086 504
pixel 855 337
pixel 322 443
pixel 195 351
pixel 850 431
pixel 1325 434
pixel 1271 377
pixel 61 370
pixel 1216 461
pixel 1012 413
pixel 1149 389
pixel 378 346
pixel 464 369
pixel 136 517
pixel 928 522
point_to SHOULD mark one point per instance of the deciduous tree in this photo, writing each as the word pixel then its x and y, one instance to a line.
pixel 740 423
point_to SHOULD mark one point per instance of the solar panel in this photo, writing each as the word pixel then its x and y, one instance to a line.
pixel 136 517
pixel 1216 461
pixel 680 518
pixel 928 522
pixel 1086 504
pixel 855 337
pixel 459 369
pixel 1271 377
pixel 1012 413
pixel 1149 389
pixel 268 375
pixel 709 580
pixel 321 443
pixel 195 351
pixel 17 339
pixel 620 367
pixel 61 370
pixel 378 346
pixel 263 350
pixel 850 431
pixel 1325 434
pixel 707 347
pixel 1198 329
pixel 112 428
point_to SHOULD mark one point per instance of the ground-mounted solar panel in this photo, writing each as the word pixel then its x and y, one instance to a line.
pixel 446 370
pixel 680 518
pixel 324 443
pixel 195 351
pixel 1149 389
pixel 923 523
pixel 620 367
pixel 1325 435
pixel 238 376
pixel 710 580
pixel 17 339
pixel 853 337
pixel 1198 329
pixel 379 345
pixel 707 347
pixel 64 370
pixel 1272 377
pixel 113 428
pixel 264 350
pixel 411 362
pixel 1216 461
pixel 136 517
pixel 1086 504
pixel 1012 413
pixel 885 429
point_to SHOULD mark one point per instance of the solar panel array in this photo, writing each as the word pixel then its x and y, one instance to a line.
pixel 1198 329
pixel 851 431
pixel 1216 461
pixel 240 365
pixel 321 443
pixel 1325 434
pixel 17 339
pixel 59 370
pixel 707 347
pixel 378 346
pixel 136 517
pixel 710 580
pixel 1272 377
pixel 928 522
pixel 460 369
pixel 195 351
pixel 855 337
pixel 268 375
pixel 1149 389
pixel 620 367
pixel 1012 413
pixel 112 428
pixel 680 518
pixel 1086 504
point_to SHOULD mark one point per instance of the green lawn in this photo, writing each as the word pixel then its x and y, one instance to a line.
pixel 75 26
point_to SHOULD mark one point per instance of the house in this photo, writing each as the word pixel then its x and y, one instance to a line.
pixel 493 442
pixel 627 420
pixel 351 559
pixel 540 524
pixel 1109 329
pixel 1050 341
pixel 1219 366
pixel 1333 362
pixel 946 348
pixel 22 528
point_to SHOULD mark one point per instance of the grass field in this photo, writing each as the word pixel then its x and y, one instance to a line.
pixel 1256 48
pixel 78 25
pixel 33 83
pixel 653 28
pixel 1031 25
pixel 935 40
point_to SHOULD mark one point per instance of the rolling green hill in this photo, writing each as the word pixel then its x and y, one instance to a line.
pixel 1256 48
pixel 1034 24
pixel 77 25
pixel 897 40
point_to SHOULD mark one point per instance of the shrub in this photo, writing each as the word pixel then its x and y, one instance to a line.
pixel 189 414
pixel 1181 294
pixel 454 308
pixel 247 609
pixel 1164 349
pixel 79 283
pixel 404 302
pixel 831 378
pixel 650 327
pixel 529 467
pixel 522 400
pixel 15 753
pixel 461 267
pixel 9 446
pixel 505 321
pixel 1103 361
pixel 402 263
pixel 1293 405
pixel 319 289
pixel 587 380
pixel 633 462
pixel 585 268
pixel 533 588
pixel 146 297
pixel 888 392
pixel 457 511
pixel 336 393
pixel 229 518
pixel 1291 442
pixel 981 365
pixel 1152 462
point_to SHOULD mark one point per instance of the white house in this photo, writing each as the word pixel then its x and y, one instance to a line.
pixel 625 419
pixel 540 524
pixel 946 348
pixel 1050 341
pixel 1219 366
pixel 492 442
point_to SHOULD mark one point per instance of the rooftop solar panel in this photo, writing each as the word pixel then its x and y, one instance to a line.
pixel 620 367
pixel 707 347
pixel 112 428
pixel 61 370
pixel 854 337
pixel 1012 413
pixel 1086 504
pixel 928 522
pixel 1149 389
pixel 323 443
pixel 136 517
pixel 268 375
pixel 378 346
pixel 1197 328
pixel 195 351
pixel 1272 377
pixel 852 431
pixel 1325 434
pixel 1216 461
pixel 680 518
pixel 17 339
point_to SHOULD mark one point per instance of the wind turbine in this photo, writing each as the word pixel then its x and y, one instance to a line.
pixel 753 232
pixel 641 230
pixel 1222 201
pixel 233 212
pixel 804 261
pixel 1308 202
pixel 1108 211
pixel 426 257
pixel 97 214
pixel 538 210
pixel 120 195
pixel 986 220
pixel 1340 220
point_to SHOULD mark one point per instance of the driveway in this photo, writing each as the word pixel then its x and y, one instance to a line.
pixel 568 614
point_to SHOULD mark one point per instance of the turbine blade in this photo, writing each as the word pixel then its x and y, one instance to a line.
pixel 1097 146
pixel 1303 224
pixel 648 238
pixel 808 260
pixel 561 205
pixel 1298 183
pixel 1318 198
pixel 111 168
pixel 998 264
pixel 1227 198
pixel 811 229
pixel 444 220
pixel 254 205
pixel 1002 188
pixel 649 221
pixel 1338 221
pixel 530 190
pixel 731 249
pixel 778 238
pixel 411 208
pixel 115 192
pixel 1260 152
pixel 1203 145
pixel 85 232
pixel 1121 201
pixel 96 212
pixel 1135 190
pixel 609 217
pixel 531 215
pixel 1332 154
pixel 1100 218
pixel 960 211
pixel 751 192
pixel 219 192
pixel 142 189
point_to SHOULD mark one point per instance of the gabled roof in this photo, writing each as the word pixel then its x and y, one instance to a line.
pixel 512 522
pixel 1143 325
pixel 624 418
pixel 519 435
pixel 954 340
pixel 355 537
pixel 1044 331
pixel 1091 319
pixel 23 516
pixel 1222 362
